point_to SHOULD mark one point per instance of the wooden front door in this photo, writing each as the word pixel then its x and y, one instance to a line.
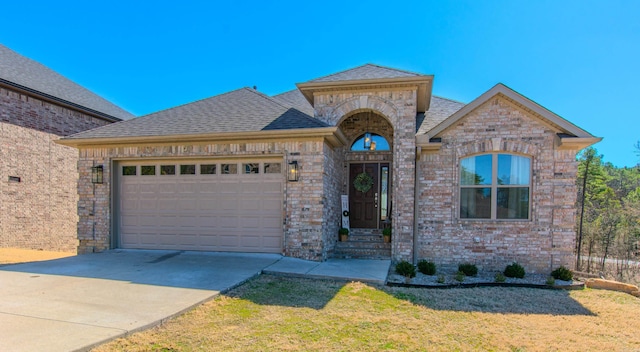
pixel 368 209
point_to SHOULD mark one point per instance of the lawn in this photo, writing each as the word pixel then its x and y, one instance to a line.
pixel 272 313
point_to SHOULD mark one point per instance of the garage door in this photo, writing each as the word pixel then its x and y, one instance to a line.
pixel 202 205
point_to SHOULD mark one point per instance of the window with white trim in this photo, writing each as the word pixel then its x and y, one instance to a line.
pixel 495 186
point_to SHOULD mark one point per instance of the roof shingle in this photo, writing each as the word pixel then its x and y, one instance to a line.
pixel 364 72
pixel 27 73
pixel 439 110
pixel 242 110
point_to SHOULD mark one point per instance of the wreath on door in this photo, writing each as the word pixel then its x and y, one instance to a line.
pixel 363 182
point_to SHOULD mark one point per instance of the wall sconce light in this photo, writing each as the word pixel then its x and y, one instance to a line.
pixel 293 173
pixel 97 173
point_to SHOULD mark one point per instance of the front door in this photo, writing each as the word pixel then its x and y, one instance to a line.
pixel 368 208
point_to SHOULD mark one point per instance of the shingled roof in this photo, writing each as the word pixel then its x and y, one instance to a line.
pixel 296 99
pixel 242 110
pixel 368 71
pixel 439 110
pixel 23 73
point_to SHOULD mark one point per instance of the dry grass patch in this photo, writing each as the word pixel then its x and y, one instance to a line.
pixel 19 255
pixel 285 314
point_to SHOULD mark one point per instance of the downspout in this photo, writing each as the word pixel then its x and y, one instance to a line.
pixel 416 191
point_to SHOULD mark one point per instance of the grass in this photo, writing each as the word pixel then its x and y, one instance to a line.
pixel 19 255
pixel 273 313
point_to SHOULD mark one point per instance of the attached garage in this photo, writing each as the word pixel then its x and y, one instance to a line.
pixel 206 205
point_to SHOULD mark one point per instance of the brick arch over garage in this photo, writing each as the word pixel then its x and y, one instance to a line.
pixel 364 103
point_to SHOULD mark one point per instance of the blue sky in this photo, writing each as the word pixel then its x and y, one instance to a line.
pixel 579 59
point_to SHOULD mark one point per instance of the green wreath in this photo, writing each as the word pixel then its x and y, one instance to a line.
pixel 363 182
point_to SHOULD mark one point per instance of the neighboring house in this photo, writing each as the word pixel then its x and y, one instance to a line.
pixel 39 178
pixel 489 182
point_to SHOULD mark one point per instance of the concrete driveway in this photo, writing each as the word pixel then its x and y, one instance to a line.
pixel 78 302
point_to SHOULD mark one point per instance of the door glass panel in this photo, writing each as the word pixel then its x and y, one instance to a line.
pixel 384 192
pixel 167 169
pixel 187 169
pixel 272 168
pixel 128 171
pixel 148 170
pixel 208 169
pixel 228 169
pixel 251 168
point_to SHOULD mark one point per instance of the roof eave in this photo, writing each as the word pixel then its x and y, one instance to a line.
pixel 423 83
pixel 57 101
pixel 576 143
pixel 331 134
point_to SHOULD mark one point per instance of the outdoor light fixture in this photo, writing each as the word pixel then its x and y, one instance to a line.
pixel 367 141
pixel 293 171
pixel 367 136
pixel 97 173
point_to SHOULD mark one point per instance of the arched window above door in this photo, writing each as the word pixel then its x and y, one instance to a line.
pixel 372 140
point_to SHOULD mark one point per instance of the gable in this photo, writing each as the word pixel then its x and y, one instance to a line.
pixel 572 136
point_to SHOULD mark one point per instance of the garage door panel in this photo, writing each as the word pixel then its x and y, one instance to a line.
pixel 215 212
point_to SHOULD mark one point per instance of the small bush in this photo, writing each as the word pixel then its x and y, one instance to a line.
pixel 441 279
pixel 514 270
pixel 551 281
pixel 427 267
pixel 459 276
pixel 500 277
pixel 468 269
pixel 406 269
pixel 562 273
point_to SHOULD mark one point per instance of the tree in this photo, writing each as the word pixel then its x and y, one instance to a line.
pixel 591 177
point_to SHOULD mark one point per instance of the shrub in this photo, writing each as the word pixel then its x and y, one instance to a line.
pixel 562 273
pixel 406 269
pixel 468 269
pixel 551 281
pixel 441 279
pixel 514 270
pixel 427 267
pixel 500 277
pixel 459 276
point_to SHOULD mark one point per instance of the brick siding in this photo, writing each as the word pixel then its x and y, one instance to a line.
pixel 40 211
pixel 545 241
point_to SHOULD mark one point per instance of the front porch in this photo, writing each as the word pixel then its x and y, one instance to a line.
pixel 363 244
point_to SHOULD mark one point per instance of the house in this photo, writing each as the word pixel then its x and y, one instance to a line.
pixel 39 178
pixel 489 182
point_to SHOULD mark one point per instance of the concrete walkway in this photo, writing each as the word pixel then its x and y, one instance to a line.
pixel 365 270
pixel 79 302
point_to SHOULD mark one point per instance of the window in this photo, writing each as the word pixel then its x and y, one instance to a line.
pixel 375 142
pixel 251 168
pixel 208 169
pixel 187 169
pixel 147 170
pixel 495 186
pixel 272 168
pixel 128 171
pixel 228 169
pixel 167 169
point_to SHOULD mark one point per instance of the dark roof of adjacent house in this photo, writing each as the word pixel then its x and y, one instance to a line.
pixel 242 110
pixel 367 71
pixel 23 73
